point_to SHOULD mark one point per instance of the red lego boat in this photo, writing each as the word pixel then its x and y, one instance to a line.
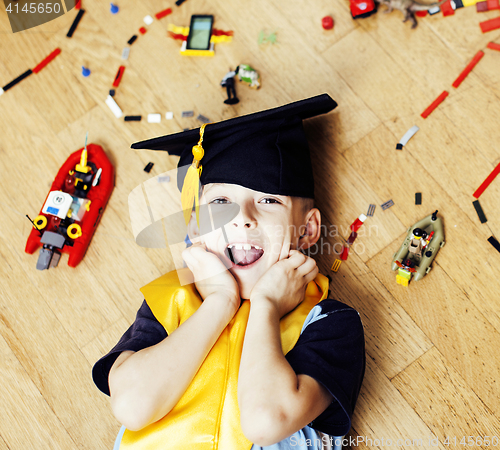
pixel 73 208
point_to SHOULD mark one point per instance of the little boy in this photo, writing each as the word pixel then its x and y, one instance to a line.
pixel 251 354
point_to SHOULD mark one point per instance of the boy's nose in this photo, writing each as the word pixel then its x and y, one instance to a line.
pixel 244 221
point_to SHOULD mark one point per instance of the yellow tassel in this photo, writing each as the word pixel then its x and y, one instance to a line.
pixel 191 186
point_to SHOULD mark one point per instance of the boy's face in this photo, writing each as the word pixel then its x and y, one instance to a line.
pixel 265 229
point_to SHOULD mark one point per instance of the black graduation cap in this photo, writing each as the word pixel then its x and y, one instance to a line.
pixel 266 151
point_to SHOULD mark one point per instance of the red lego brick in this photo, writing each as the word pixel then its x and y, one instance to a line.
pixel 345 253
pixel 163 13
pixel 447 9
pixel 435 104
pixel 48 59
pixel 482 6
pixel 142 30
pixel 469 67
pixel 493 4
pixel 489 25
pixel 119 76
pixel 421 13
pixel 494 46
pixel 487 182
pixel 78 4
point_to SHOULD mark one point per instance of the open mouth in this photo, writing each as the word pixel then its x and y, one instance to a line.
pixel 243 254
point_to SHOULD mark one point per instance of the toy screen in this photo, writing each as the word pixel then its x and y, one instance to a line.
pixel 200 33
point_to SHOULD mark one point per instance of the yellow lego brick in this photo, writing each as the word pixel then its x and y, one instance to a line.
pixel 178 30
pixel 219 39
pixel 401 280
pixel 336 265
pixel 469 2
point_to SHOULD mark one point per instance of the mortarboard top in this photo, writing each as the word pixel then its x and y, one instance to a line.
pixel 266 151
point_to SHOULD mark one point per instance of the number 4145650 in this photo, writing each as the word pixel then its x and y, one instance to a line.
pixel 34 8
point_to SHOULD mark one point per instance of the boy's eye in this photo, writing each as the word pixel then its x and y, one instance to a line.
pixel 219 201
pixel 269 200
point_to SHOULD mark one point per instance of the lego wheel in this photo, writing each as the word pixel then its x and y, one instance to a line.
pixel 74 231
pixel 40 222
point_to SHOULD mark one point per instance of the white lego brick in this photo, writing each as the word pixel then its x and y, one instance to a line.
pixel 113 106
pixel 125 52
pixel 154 118
pixel 1 91
pixel 169 115
pixel 58 204
pixel 148 20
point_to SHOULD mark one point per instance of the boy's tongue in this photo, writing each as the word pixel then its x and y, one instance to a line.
pixel 245 257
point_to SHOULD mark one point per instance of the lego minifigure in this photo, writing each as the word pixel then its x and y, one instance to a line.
pixel 228 83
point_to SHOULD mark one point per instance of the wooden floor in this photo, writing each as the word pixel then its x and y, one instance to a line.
pixel 432 348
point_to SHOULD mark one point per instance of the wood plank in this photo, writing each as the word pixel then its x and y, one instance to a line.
pixel 378 415
pixel 27 419
pixel 383 172
pixel 448 317
pixel 443 399
pixel 51 359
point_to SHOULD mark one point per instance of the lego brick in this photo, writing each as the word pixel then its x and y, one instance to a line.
pixel 132 118
pixel 47 60
pixel 356 225
pixel 17 80
pixel 169 115
pixel 407 136
pixel 336 265
pixel 418 198
pixel 75 23
pixel 489 25
pixel 345 253
pixel 468 69
pixel 469 2
pixel 479 211
pixel 1 91
pixel 142 30
pixel 163 179
pixel 421 13
pixel 434 104
pixel 148 167
pixel 399 146
pixel 112 92
pixel 78 4
pixel 447 9
pixel 493 46
pixel 494 242
pixel 487 182
pixel 187 114
pixel 482 6
pixel 154 118
pixel 387 205
pixel 203 119
pixel 119 76
pixel 132 39
pixel 163 13
pixel 125 52
pixel 493 4
pixel 352 237
pixel 458 4
pixel 113 106
pixel 433 10
pixel 148 20
pixel 179 2
pixel 371 210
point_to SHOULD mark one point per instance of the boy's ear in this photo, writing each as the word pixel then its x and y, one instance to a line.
pixel 312 229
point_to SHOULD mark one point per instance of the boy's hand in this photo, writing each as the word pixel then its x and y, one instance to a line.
pixel 283 285
pixel 211 275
